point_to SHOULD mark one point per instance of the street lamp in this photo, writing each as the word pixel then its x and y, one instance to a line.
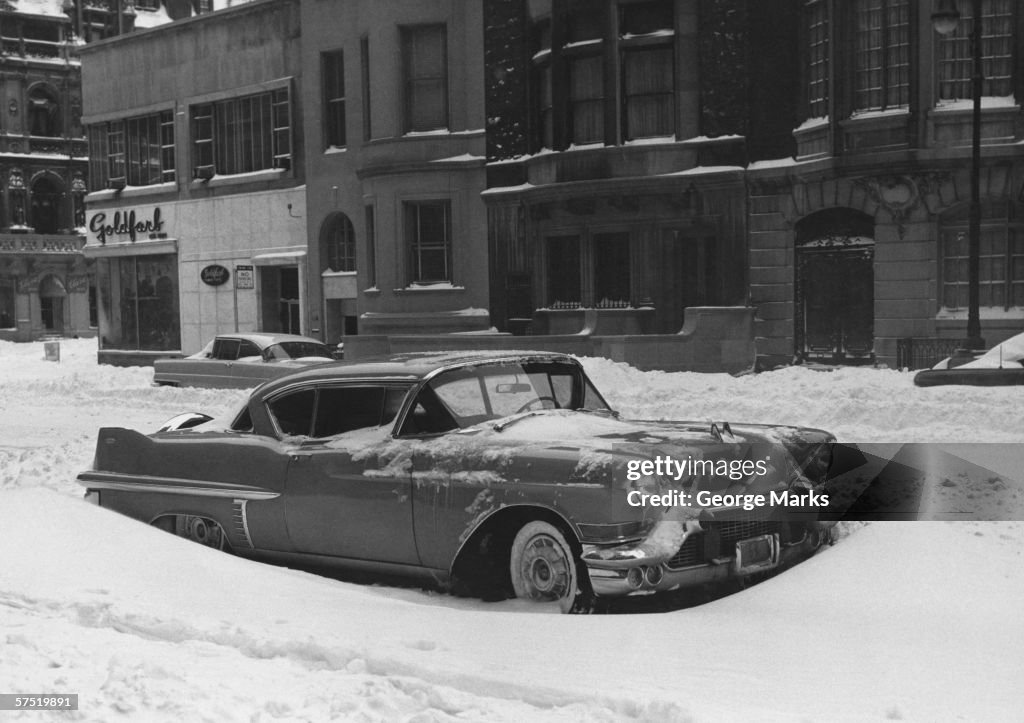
pixel 945 19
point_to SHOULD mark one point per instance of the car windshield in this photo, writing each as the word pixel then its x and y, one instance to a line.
pixel 462 397
pixel 296 350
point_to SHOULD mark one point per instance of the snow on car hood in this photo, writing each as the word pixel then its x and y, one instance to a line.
pixel 593 447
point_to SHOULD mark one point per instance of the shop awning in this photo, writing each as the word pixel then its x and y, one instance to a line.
pixel 279 258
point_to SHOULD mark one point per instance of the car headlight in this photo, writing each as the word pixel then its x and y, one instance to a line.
pixel 614 531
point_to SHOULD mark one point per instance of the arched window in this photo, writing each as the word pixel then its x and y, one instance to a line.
pixel 46 205
pixel 44 112
pixel 51 302
pixel 338 243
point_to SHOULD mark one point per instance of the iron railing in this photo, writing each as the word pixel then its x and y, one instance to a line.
pixel 924 352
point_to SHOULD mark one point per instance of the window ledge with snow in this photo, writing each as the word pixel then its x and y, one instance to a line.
pixel 429 288
pixel 267 174
pixel 108 194
pixel 1004 103
pixel 985 312
pixel 331 273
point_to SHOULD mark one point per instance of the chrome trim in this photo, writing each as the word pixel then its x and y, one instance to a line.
pixel 241 520
pixel 171 485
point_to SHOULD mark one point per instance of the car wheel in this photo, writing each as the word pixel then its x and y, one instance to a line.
pixel 201 530
pixel 543 566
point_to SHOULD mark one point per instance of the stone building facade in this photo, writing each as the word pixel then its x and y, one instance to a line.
pixel 858 245
pixel 44 278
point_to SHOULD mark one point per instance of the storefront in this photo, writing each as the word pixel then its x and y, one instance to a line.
pixel 171 276
pixel 137 287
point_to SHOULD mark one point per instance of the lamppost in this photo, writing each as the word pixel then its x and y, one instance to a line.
pixel 945 19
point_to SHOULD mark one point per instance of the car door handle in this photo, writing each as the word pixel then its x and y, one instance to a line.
pixel 299 456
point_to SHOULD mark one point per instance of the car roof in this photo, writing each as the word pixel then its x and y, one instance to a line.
pixel 264 340
pixel 411 366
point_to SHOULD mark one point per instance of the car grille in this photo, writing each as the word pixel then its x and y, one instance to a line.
pixel 718 539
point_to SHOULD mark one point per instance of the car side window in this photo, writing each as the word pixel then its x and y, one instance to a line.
pixel 247 348
pixel 344 409
pixel 294 412
pixel 427 416
pixel 225 349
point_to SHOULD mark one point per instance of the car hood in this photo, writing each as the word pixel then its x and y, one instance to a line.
pixel 601 430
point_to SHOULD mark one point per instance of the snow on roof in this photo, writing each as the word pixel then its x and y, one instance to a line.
pixel 49 8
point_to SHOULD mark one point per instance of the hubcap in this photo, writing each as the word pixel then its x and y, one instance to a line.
pixel 546 569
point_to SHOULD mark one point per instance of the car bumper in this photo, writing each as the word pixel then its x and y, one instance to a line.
pixel 645 576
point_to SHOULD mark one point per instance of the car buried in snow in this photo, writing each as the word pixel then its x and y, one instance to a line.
pixel 498 474
pixel 239 361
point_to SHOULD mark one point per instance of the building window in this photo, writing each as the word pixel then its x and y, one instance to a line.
pixel 817 67
pixel 98 156
pixel 338 242
pixel 333 65
pixel 591 271
pixel 7 315
pixel 882 54
pixel 44 112
pixel 364 81
pixel 563 272
pixel 138 302
pixel 584 54
pixel 242 135
pixel 425 73
pixel 16 197
pixel 136 151
pixel 997 31
pixel 586 99
pixel 1001 270
pixel 600 79
pixel 46 207
pixel 611 270
pixel 646 44
pixel 543 94
pixel 428 238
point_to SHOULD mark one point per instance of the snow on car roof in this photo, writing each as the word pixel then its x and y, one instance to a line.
pixel 265 340
pixel 414 365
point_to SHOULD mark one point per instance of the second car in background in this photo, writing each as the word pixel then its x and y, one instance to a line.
pixel 241 360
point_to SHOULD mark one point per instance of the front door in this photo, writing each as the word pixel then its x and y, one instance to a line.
pixel 342 498
pixel 835 303
pixel 343 505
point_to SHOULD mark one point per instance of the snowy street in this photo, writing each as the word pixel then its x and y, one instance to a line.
pixel 915 621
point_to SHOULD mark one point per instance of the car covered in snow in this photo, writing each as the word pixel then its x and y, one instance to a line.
pixel 495 473
pixel 241 360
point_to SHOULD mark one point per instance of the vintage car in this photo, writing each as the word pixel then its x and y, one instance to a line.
pixel 500 474
pixel 1002 365
pixel 241 360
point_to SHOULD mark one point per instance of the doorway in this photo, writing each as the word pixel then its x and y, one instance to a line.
pixel 835 288
pixel 281 306
pixel 51 304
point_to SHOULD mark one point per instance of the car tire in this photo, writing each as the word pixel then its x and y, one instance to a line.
pixel 544 568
